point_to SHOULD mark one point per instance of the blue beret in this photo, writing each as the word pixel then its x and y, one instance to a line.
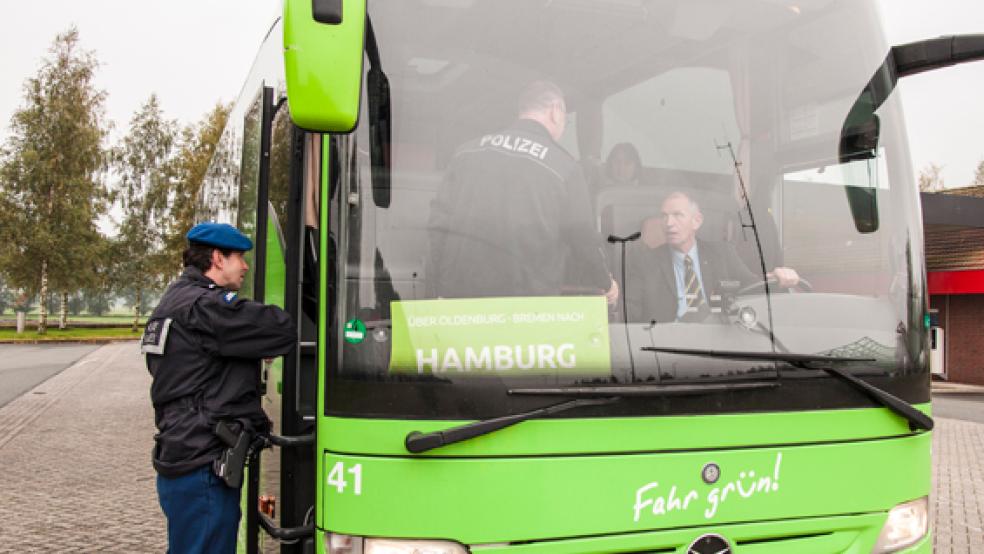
pixel 220 235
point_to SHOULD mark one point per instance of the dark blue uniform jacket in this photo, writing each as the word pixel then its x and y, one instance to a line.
pixel 513 218
pixel 204 346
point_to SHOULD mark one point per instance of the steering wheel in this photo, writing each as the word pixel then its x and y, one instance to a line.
pixel 803 285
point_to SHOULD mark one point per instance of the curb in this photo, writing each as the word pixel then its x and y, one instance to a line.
pixel 957 389
pixel 87 340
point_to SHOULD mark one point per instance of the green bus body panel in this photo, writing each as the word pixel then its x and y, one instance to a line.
pixel 276 267
pixel 845 534
pixel 323 66
pixel 276 294
pixel 848 534
pixel 644 434
pixel 494 500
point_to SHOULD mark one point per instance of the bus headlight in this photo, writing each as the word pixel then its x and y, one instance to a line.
pixel 347 544
pixel 907 524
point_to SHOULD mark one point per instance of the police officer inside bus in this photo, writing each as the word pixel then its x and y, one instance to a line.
pixel 513 215
pixel 204 347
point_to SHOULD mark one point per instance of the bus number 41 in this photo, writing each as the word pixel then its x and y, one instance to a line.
pixel 336 477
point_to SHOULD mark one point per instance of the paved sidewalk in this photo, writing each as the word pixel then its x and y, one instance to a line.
pixel 76 473
pixel 75 459
pixel 958 486
pixel 947 387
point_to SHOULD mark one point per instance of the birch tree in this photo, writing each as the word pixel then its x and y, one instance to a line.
pixel 197 146
pixel 144 171
pixel 51 192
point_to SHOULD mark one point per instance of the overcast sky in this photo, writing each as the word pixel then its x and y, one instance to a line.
pixel 195 52
pixel 192 53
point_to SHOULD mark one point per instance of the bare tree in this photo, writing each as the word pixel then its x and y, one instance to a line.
pixel 931 178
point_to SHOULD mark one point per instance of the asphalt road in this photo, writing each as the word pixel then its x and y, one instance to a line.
pixel 24 366
pixel 968 406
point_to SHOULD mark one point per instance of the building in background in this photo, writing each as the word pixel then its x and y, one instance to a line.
pixel 954 228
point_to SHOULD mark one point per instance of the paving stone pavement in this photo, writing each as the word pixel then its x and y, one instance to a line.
pixel 958 486
pixel 75 473
pixel 75 470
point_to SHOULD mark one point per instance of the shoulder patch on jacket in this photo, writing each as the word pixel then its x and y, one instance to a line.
pixel 155 336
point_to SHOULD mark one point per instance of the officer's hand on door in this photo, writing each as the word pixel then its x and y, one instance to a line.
pixel 612 294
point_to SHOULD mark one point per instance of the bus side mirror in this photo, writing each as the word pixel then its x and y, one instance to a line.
pixel 323 42
pixel 861 128
pixel 380 129
pixel 859 142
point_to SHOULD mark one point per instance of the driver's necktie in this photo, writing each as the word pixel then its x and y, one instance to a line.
pixel 697 308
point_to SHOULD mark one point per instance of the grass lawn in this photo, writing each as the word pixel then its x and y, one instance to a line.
pixel 108 318
pixel 122 319
pixel 55 334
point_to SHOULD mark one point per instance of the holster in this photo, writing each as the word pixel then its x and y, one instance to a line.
pixel 230 465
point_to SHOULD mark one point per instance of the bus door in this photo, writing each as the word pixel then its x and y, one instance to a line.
pixel 278 195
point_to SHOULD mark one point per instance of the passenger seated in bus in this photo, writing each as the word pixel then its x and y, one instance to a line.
pixel 652 235
pixel 623 167
pixel 673 282
pixel 638 254
pixel 513 214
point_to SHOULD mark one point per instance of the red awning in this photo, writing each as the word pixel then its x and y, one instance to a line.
pixel 956 282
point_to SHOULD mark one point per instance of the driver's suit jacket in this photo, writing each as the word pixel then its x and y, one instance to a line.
pixel 650 285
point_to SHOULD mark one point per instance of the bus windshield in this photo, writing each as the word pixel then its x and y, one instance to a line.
pixel 572 181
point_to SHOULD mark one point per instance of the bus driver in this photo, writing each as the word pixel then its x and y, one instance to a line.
pixel 673 282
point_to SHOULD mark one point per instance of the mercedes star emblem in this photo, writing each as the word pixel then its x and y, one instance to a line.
pixel 711 473
pixel 709 544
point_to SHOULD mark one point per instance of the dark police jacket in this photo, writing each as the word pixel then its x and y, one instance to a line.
pixel 650 283
pixel 513 218
pixel 203 347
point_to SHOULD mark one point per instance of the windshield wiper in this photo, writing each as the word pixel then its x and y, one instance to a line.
pixel 417 442
pixel 643 390
pixel 916 419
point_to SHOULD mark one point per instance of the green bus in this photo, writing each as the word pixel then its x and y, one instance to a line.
pixel 407 421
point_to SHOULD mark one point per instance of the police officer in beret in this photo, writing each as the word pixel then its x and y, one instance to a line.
pixel 204 346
